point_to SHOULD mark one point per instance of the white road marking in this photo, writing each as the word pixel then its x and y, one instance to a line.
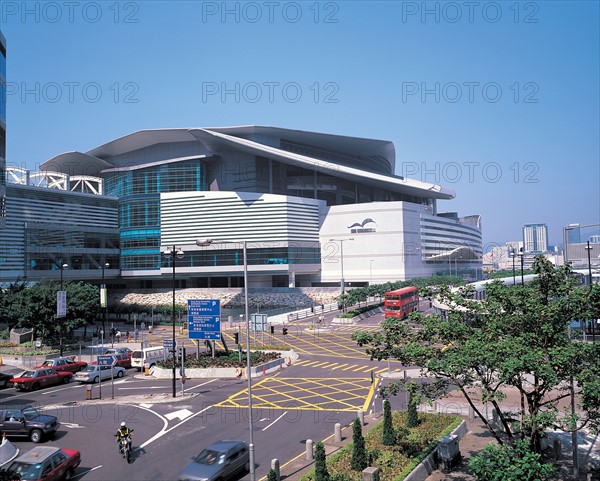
pixel 199 385
pixel 71 425
pixel 165 431
pixel 88 471
pixel 181 414
pixel 267 427
pixel 143 387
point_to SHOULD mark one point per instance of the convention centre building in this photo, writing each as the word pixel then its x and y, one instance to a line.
pixel 312 209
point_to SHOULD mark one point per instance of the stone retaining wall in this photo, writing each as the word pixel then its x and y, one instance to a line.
pixel 429 464
pixel 232 297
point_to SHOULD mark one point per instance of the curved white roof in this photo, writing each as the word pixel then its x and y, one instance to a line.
pixel 256 140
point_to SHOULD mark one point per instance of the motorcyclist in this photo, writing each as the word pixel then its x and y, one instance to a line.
pixel 123 433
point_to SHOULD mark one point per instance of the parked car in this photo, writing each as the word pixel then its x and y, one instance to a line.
pixel 5 379
pixel 119 350
pixel 120 360
pixel 95 373
pixel 47 463
pixel 221 460
pixel 26 421
pixel 37 378
pixel 64 364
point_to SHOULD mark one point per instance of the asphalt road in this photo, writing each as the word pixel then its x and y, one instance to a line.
pixel 330 381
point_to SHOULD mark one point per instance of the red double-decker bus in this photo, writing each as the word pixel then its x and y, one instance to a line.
pixel 400 303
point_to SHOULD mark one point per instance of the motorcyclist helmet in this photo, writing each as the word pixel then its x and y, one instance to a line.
pixel 123 424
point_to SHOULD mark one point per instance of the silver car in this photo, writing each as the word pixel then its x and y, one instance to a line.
pixel 95 373
pixel 221 460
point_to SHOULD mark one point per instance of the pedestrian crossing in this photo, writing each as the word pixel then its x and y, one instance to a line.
pixel 341 366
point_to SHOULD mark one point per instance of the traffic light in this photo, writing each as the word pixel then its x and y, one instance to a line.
pixel 284 330
pixel 272 329
pixel 236 337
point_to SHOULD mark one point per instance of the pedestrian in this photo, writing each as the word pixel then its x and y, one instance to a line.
pixel 137 333
pixel 118 336
pixel 128 337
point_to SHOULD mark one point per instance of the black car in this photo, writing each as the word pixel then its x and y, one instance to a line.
pixel 26 421
pixel 4 378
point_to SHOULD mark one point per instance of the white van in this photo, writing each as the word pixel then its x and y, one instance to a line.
pixel 150 355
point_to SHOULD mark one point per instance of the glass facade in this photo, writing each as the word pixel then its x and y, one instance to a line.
pixel 139 207
pixel 2 129
pixel 256 256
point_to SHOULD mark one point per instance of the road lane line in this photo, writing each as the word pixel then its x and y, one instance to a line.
pixel 267 427
pixel 88 471
pixel 369 396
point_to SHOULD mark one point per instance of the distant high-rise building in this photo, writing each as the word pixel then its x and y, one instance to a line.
pixel 535 237
pixel 573 234
pixel 595 239
pixel 2 129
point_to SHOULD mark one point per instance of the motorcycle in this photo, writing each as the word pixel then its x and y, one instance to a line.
pixel 125 448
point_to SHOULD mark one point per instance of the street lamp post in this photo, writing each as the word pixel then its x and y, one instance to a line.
pixel 341 241
pixel 207 242
pixel 62 267
pixel 522 256
pixel 588 248
pixel 371 271
pixel 104 297
pixel 174 253
pixel 512 255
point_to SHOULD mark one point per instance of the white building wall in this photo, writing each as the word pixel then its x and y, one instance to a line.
pixel 386 245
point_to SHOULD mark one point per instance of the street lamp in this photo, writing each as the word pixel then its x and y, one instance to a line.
pixel 341 241
pixel 207 242
pixel 513 255
pixel 588 248
pixel 104 298
pixel 521 254
pixel 62 267
pixel 371 271
pixel 174 253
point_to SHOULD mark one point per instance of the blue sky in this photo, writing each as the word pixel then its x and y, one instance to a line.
pixel 496 100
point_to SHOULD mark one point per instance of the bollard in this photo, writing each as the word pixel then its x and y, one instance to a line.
pixel 180 329
pixel 370 474
pixel 88 392
pixel 146 369
pixel 309 450
pixel 361 417
pixel 275 467
pixel 337 429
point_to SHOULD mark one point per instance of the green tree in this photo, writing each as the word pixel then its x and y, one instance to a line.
pixel 359 451
pixel 517 337
pixel 510 463
pixel 321 473
pixel 412 416
pixel 389 435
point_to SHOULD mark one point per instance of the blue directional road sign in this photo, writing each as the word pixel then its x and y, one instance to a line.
pixel 105 360
pixel 204 319
pixel 168 344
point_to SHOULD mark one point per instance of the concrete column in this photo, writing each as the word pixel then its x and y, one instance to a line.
pixel 338 432
pixel 310 455
pixel 291 279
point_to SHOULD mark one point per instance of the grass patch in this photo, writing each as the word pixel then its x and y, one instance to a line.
pixel 394 462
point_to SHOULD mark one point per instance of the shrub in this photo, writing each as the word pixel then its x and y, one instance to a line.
pixel 272 476
pixel 321 473
pixel 359 452
pixel 389 436
pixel 510 463
pixel 412 417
